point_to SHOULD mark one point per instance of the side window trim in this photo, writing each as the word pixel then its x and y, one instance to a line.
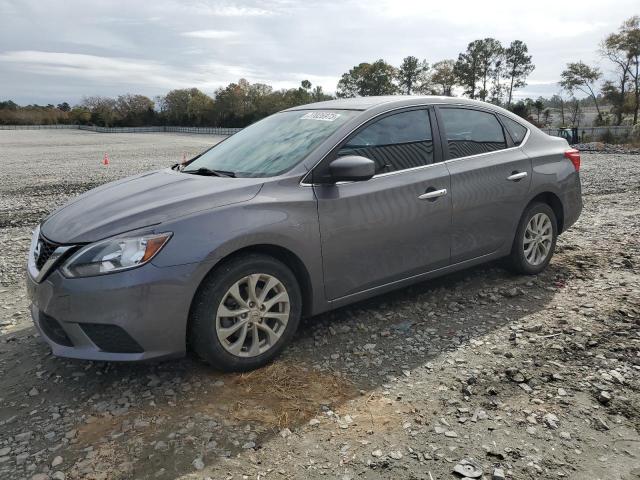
pixel 507 134
pixel 437 144
pixel 443 134
pixel 513 142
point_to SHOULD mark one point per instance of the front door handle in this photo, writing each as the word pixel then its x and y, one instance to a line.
pixel 433 194
pixel 514 177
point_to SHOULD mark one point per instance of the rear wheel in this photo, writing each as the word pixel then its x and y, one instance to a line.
pixel 245 313
pixel 535 240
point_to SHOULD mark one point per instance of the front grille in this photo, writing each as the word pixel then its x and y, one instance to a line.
pixel 111 338
pixel 52 329
pixel 46 249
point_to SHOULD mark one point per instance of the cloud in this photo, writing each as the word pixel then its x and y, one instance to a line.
pixel 69 48
pixel 126 72
pixel 225 9
pixel 214 34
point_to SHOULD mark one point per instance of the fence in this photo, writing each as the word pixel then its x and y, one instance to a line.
pixel 91 128
pixel 594 133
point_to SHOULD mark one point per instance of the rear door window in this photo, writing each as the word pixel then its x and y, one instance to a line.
pixel 396 142
pixel 470 132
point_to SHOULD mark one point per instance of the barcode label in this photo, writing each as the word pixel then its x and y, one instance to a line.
pixel 323 116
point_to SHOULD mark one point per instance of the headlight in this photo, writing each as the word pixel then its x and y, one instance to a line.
pixel 114 255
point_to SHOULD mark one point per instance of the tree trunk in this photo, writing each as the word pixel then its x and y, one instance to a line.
pixel 621 105
pixel 595 101
pixel 483 94
pixel 511 89
pixel 637 93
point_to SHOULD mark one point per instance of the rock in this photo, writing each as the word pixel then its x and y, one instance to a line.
pixel 5 451
pixel 396 454
pixel 565 435
pixel 140 424
pixel 600 424
pixel 512 292
pixel 249 445
pixel 525 387
pixel 450 434
pixel 58 475
pixel 515 375
pixel 533 328
pixel 285 433
pixel 498 474
pixel 34 392
pixel 604 397
pixel 198 464
pixel 617 376
pixel 40 476
pixel 469 468
pixel 314 422
pixel 56 461
pixel 376 453
pixel 551 420
pixel 23 437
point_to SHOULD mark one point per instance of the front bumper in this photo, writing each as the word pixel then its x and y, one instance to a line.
pixel 134 315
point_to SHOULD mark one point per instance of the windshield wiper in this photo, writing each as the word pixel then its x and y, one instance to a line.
pixel 209 172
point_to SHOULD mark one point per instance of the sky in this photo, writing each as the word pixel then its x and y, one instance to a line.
pixel 61 50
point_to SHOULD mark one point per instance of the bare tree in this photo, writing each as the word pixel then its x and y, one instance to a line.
pixel 614 48
pixel 580 76
pixel 631 33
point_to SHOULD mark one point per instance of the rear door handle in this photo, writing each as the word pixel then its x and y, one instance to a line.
pixel 433 194
pixel 514 177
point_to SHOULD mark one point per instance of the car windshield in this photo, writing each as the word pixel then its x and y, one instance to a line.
pixel 271 146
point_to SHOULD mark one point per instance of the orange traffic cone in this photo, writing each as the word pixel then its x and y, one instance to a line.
pixel 105 159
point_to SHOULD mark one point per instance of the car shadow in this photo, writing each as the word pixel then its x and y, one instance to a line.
pixel 184 407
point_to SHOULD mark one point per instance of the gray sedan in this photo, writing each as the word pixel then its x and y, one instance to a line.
pixel 307 210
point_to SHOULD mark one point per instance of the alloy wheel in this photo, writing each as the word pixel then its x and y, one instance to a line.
pixel 253 315
pixel 538 238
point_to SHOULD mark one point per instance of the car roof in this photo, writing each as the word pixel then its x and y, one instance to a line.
pixel 366 103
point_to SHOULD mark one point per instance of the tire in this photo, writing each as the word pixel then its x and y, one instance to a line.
pixel 217 311
pixel 534 261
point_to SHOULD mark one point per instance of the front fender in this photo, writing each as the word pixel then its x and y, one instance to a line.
pixel 286 218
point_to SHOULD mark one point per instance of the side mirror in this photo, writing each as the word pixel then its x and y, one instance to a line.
pixel 351 168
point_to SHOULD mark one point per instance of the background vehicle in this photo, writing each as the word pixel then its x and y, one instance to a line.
pixel 310 209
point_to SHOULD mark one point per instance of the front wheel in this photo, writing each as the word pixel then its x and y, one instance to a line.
pixel 245 313
pixel 535 240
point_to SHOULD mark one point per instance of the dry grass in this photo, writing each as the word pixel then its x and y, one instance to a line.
pixel 283 395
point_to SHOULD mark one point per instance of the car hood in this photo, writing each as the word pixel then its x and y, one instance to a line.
pixel 143 200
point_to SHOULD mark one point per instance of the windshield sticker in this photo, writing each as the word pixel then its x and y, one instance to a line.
pixel 323 116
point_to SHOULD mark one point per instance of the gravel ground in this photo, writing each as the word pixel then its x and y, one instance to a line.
pixel 481 372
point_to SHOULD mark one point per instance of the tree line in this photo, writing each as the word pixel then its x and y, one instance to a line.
pixel 486 70
pixel 236 105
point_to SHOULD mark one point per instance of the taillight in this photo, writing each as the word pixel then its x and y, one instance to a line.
pixel 574 156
